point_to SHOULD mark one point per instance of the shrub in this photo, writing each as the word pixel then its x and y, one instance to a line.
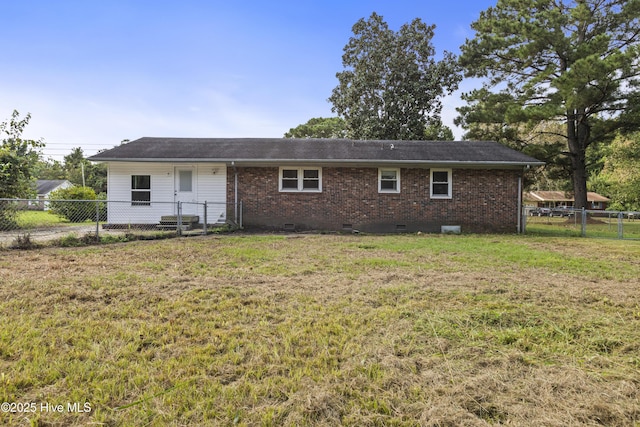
pixel 23 241
pixel 74 203
pixel 102 210
pixel 110 238
pixel 70 241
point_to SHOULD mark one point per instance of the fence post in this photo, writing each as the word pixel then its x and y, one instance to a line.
pixel 179 220
pixel 620 226
pixel 204 224
pixel 584 223
pixel 97 220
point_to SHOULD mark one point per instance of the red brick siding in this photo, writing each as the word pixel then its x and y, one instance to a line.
pixel 482 201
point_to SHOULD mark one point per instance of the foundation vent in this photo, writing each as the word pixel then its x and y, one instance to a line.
pixel 450 229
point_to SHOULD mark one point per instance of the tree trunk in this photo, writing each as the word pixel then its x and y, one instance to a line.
pixel 578 140
pixel 579 181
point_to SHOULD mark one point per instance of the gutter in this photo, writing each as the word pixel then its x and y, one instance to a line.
pixel 235 191
pixel 325 161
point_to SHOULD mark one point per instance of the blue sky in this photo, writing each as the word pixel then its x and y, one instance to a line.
pixel 93 73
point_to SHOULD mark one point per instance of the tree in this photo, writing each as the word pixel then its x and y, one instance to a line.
pixel 77 169
pixel 620 177
pixel 487 116
pixel 568 61
pixel 50 169
pixel 18 158
pixel 436 131
pixel 319 127
pixel 82 172
pixel 75 160
pixel 391 86
pixel 96 176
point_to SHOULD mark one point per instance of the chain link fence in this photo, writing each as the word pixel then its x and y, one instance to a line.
pixel 566 221
pixel 32 222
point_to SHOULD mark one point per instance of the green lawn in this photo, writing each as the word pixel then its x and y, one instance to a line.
pixel 402 330
pixel 36 219
pixel 602 227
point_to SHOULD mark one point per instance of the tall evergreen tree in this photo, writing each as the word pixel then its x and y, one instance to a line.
pixel 569 61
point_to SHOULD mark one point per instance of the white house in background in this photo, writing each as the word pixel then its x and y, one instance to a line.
pixel 44 188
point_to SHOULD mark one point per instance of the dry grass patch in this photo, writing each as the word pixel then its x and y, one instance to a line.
pixel 325 330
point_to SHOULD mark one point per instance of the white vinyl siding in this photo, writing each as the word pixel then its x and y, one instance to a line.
pixel 210 185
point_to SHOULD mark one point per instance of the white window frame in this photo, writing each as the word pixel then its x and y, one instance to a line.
pixel 397 180
pixel 449 184
pixel 300 179
pixel 135 189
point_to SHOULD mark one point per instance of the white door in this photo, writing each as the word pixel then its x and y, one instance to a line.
pixel 185 189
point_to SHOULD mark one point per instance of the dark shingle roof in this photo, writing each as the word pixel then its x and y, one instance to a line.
pixel 44 186
pixel 281 150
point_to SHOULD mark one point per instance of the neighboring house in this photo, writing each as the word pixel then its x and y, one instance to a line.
pixel 552 199
pixel 44 188
pixel 321 184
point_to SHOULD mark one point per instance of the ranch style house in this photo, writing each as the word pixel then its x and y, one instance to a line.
pixel 320 184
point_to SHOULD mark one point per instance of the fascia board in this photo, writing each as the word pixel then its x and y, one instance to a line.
pixel 328 162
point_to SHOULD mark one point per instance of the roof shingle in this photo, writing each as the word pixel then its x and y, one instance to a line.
pixel 45 186
pixel 283 150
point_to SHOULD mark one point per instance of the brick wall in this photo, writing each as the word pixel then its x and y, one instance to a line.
pixel 482 201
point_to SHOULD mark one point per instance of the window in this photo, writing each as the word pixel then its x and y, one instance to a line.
pixel 140 190
pixel 389 180
pixel 301 179
pixel 441 183
pixel 311 179
pixel 289 180
pixel 185 178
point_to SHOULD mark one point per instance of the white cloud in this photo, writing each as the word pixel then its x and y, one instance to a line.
pixel 451 102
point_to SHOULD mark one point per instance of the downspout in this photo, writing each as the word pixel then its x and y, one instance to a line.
pixel 235 191
pixel 520 213
pixel 519 204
